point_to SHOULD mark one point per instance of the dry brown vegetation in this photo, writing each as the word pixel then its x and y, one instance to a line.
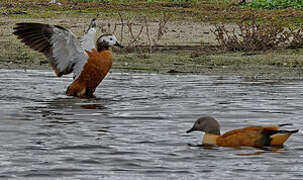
pixel 138 32
pixel 250 35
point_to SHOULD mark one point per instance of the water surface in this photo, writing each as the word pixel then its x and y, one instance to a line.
pixel 135 128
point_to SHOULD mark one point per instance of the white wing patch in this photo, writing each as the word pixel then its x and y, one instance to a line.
pixel 67 52
pixel 88 40
pixel 78 67
pixel 87 43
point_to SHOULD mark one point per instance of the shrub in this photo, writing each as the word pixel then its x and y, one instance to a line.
pixel 296 38
pixel 250 35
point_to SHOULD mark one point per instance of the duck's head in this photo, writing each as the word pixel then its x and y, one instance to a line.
pixel 107 40
pixel 206 124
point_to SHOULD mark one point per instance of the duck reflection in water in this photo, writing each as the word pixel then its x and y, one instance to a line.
pixel 76 103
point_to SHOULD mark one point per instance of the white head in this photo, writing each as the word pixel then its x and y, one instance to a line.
pixel 107 40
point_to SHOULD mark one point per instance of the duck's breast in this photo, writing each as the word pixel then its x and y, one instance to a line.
pixel 96 68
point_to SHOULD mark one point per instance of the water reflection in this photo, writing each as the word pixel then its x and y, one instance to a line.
pixel 265 150
pixel 93 106
pixel 75 103
pixel 247 151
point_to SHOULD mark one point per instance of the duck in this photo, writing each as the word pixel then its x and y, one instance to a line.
pixel 252 136
pixel 88 59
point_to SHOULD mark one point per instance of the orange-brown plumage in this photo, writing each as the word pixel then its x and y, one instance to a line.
pixel 250 136
pixel 94 71
pixel 254 136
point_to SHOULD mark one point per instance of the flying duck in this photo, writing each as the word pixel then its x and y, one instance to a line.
pixel 89 61
pixel 254 136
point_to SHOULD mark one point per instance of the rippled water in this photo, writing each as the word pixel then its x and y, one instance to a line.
pixel 135 128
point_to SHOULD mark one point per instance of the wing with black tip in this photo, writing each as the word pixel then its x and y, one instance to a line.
pixel 59 45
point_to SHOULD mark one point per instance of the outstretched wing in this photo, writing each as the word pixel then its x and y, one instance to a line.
pixel 58 44
pixel 88 40
pixel 87 43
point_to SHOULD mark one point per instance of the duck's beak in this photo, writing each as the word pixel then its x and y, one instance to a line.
pixel 192 129
pixel 119 45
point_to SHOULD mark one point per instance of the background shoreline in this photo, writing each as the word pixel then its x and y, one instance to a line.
pixel 187 44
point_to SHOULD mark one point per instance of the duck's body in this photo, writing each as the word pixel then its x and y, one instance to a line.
pixel 87 60
pixel 254 136
pixel 94 71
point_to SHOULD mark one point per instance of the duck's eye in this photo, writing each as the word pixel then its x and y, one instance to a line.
pixel 111 39
pixel 198 122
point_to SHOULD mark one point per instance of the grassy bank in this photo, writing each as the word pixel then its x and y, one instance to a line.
pixel 186 45
pixel 197 10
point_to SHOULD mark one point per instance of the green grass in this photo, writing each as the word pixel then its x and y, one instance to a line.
pixel 278 63
pixel 275 4
pixel 160 1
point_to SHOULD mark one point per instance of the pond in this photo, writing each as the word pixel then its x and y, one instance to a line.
pixel 135 127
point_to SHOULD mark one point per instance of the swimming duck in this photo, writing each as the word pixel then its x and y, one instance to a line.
pixel 254 136
pixel 89 61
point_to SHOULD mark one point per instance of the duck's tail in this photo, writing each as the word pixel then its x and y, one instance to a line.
pixel 286 124
pixel 277 138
